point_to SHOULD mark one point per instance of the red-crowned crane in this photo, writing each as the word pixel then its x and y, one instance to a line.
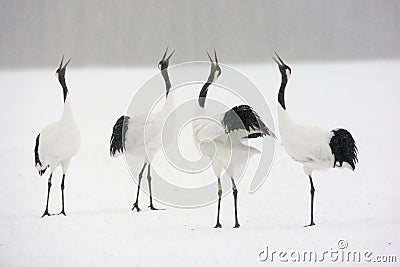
pixel 141 135
pixel 58 142
pixel 220 137
pixel 315 148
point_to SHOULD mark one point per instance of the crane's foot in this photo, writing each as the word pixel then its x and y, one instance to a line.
pixel 308 225
pixel 62 213
pixel 153 208
pixel 237 225
pixel 46 213
pixel 218 225
pixel 136 206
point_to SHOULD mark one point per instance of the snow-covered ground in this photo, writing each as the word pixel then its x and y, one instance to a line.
pixel 101 230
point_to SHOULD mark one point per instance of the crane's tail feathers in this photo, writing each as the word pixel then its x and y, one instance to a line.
pixel 344 149
pixel 117 142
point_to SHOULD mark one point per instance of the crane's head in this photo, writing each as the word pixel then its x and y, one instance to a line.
pixel 61 69
pixel 285 70
pixel 164 62
pixel 215 71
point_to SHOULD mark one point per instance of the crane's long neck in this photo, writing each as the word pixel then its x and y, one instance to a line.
pixel 169 98
pixel 67 115
pixel 61 79
pixel 286 125
pixel 203 94
pixel 165 75
pixel 281 94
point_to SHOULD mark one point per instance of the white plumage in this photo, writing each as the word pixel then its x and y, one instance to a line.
pixel 306 144
pixel 220 137
pixel 314 148
pixel 141 135
pixel 226 149
pixel 58 142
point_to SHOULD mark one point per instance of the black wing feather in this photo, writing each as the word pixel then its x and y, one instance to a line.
pixel 37 159
pixel 118 135
pixel 244 117
pixel 343 148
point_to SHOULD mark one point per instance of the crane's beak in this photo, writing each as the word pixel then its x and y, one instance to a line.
pixel 62 59
pixel 165 53
pixel 164 59
pixel 280 62
pixel 170 56
pixel 211 60
pixel 61 64
pixel 216 59
pixel 66 64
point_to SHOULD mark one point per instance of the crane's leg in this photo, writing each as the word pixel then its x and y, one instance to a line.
pixel 46 211
pixel 312 202
pixel 62 195
pixel 151 195
pixel 218 225
pixel 235 192
pixel 136 204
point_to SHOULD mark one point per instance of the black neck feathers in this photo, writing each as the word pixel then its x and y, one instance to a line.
pixel 61 79
pixel 281 94
pixel 165 75
pixel 203 94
